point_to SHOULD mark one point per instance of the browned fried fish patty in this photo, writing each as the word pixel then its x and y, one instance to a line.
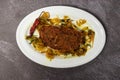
pixel 61 38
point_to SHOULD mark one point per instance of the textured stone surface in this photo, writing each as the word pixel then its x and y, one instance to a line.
pixel 15 66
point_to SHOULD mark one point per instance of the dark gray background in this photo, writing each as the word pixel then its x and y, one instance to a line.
pixel 15 66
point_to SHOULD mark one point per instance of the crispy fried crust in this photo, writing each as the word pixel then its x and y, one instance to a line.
pixel 61 38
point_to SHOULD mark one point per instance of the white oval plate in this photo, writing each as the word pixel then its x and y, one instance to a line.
pixel 73 13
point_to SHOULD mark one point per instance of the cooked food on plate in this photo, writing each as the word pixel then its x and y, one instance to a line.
pixel 60 36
